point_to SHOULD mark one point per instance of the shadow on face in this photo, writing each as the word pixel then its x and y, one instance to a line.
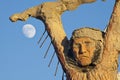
pixel 85 50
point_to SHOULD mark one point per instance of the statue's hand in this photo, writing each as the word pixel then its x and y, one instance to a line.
pixel 18 16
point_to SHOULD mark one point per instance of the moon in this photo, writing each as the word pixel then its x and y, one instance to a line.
pixel 29 30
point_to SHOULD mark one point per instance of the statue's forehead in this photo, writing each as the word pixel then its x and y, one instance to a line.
pixel 84 39
pixel 88 32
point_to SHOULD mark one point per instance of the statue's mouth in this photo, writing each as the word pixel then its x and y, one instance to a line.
pixel 84 57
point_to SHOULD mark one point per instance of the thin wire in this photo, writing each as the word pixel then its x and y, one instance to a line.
pixel 51 59
pixel 63 76
pixel 56 68
pixel 43 41
pixel 47 50
pixel 41 37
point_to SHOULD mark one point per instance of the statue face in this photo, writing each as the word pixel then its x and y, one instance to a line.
pixel 83 50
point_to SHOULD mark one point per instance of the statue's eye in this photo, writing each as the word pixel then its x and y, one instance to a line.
pixel 87 43
pixel 76 45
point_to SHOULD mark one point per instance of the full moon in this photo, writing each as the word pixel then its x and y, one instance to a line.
pixel 29 30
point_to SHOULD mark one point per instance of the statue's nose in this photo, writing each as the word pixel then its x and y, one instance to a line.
pixel 82 49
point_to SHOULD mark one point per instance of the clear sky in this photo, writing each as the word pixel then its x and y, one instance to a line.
pixel 21 58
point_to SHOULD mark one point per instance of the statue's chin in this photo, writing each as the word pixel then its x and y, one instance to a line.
pixel 84 61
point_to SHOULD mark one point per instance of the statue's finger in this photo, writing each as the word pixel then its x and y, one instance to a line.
pixel 13 18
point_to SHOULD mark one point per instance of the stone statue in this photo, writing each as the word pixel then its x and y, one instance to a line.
pixel 90 54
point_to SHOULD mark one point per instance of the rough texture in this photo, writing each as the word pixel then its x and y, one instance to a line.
pixel 50 14
pixel 88 32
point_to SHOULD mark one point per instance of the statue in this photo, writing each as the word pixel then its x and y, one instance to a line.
pixel 90 54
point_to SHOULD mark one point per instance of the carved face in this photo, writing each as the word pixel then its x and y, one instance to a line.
pixel 83 50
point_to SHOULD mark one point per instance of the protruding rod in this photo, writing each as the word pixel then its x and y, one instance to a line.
pixel 51 59
pixel 41 37
pixel 63 76
pixel 56 68
pixel 43 41
pixel 47 50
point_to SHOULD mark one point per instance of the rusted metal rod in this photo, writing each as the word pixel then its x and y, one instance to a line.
pixel 56 68
pixel 43 41
pixel 41 37
pixel 51 59
pixel 47 50
pixel 63 76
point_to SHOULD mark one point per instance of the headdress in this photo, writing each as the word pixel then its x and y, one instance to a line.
pixel 95 34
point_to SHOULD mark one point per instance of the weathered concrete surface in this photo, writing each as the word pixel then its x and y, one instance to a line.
pixel 50 14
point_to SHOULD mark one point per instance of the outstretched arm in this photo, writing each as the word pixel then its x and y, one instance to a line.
pixel 35 11
pixel 113 30
pixel 50 14
pixel 112 38
pixel 25 15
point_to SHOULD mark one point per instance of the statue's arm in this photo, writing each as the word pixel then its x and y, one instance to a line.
pixel 112 39
pixel 50 14
pixel 34 11
pixel 23 16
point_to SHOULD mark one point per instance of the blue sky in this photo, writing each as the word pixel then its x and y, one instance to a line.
pixel 21 58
